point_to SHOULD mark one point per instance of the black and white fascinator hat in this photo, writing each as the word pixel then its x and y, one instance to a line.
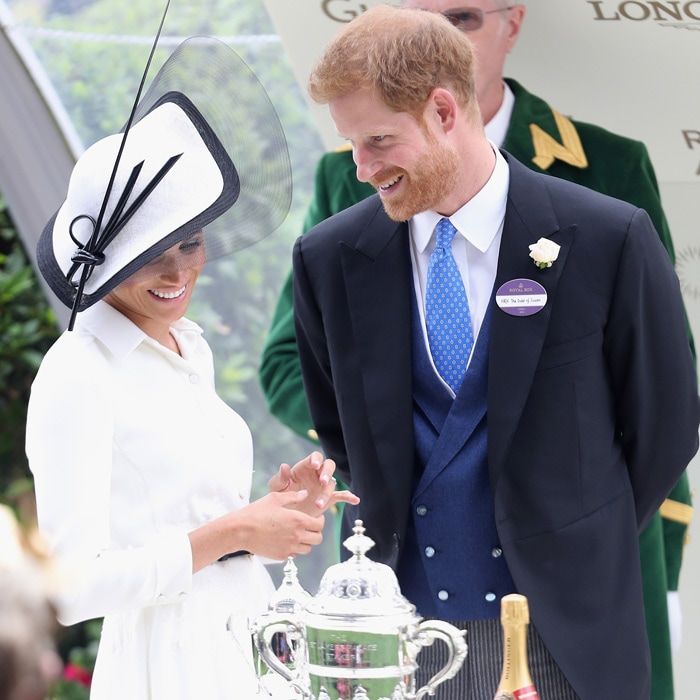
pixel 185 160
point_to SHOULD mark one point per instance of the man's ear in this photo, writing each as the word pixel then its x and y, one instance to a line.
pixel 516 15
pixel 441 109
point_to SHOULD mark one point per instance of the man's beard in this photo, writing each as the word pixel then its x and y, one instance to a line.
pixel 424 187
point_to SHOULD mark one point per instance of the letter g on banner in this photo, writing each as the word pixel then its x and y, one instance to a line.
pixel 343 10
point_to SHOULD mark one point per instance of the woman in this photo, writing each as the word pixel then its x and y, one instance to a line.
pixel 142 473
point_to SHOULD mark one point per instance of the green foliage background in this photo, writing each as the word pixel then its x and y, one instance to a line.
pixel 94 56
pixel 27 329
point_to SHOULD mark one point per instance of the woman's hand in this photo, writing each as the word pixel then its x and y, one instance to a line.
pixel 273 526
pixel 314 475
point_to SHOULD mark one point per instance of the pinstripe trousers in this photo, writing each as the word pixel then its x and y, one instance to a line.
pixel 481 671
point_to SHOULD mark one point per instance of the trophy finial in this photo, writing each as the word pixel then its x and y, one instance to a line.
pixel 359 544
pixel 290 571
pixel 290 596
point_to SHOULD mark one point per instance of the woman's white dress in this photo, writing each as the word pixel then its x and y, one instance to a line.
pixel 131 449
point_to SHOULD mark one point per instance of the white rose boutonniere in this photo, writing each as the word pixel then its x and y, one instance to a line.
pixel 544 253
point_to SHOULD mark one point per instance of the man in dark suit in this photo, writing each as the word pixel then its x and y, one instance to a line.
pixel 541 137
pixel 424 316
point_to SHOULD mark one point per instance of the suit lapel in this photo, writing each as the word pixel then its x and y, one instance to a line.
pixel 528 109
pixel 516 342
pixel 539 136
pixel 377 272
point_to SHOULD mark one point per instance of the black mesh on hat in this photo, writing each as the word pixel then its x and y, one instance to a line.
pixel 236 106
pixel 223 99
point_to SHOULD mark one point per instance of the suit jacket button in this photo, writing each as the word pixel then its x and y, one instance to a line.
pixel 421 510
pixel 496 552
pixel 490 597
pixel 443 595
pixel 429 552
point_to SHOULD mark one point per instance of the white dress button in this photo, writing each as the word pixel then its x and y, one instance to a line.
pixel 443 595
pixel 490 597
pixel 496 552
pixel 421 510
pixel 194 378
pixel 429 552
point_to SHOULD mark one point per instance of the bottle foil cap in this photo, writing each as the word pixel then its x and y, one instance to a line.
pixel 514 609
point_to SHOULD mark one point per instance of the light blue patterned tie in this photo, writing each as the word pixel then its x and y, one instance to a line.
pixel 447 310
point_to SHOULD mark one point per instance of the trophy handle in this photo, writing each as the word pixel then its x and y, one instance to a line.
pixel 427 632
pixel 263 630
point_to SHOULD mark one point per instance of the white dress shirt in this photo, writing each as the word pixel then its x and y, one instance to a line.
pixel 131 449
pixel 497 127
pixel 479 225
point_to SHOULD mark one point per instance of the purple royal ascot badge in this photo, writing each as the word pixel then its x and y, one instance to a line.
pixel 521 297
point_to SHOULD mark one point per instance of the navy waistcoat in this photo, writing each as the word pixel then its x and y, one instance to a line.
pixel 452 566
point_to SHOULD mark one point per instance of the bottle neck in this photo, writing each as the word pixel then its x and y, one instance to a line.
pixel 516 672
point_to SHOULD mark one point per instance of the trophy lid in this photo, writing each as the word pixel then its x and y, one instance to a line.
pixel 360 587
pixel 290 597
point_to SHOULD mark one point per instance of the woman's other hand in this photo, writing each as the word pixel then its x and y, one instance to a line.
pixel 313 474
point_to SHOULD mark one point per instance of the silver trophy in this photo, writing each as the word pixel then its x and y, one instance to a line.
pixel 290 599
pixel 358 637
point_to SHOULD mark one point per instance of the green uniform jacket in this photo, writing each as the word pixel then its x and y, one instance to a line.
pixel 586 154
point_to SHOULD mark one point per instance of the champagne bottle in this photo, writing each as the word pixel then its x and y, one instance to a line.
pixel 516 681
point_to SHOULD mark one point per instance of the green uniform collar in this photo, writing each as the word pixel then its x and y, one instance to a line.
pixel 538 135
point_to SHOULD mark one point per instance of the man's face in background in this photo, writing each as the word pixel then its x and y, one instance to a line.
pixel 493 40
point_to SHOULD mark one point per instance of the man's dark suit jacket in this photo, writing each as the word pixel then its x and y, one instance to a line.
pixel 592 405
